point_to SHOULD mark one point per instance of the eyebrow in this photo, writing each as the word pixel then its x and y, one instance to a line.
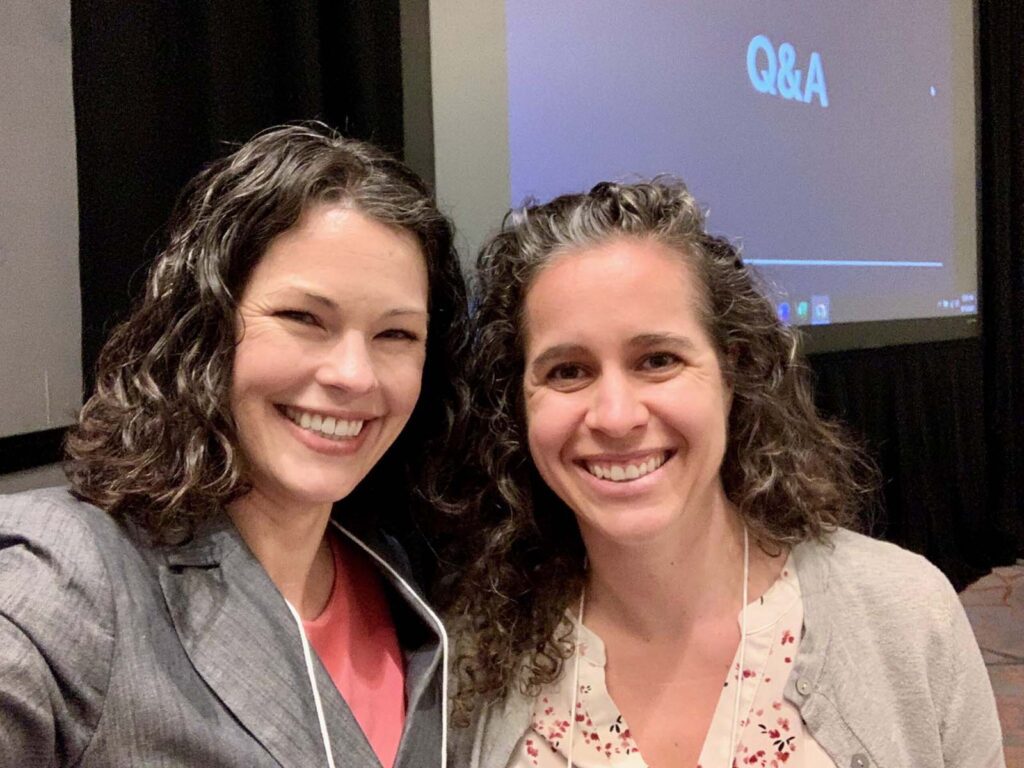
pixel 657 339
pixel 643 340
pixel 331 304
pixel 556 352
pixel 320 299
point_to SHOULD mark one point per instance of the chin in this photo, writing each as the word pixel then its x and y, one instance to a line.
pixel 634 528
pixel 307 486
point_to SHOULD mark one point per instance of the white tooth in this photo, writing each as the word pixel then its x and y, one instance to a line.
pixel 316 421
pixel 357 427
pixel 341 428
pixel 618 473
pixel 328 426
pixel 649 466
pixel 599 472
pixel 632 473
pixel 305 420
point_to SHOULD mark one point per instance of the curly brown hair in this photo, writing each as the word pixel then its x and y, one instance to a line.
pixel 791 474
pixel 155 443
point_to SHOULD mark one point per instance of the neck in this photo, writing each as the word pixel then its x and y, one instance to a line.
pixel 666 587
pixel 289 542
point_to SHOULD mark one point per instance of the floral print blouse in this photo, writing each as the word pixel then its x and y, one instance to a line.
pixel 771 733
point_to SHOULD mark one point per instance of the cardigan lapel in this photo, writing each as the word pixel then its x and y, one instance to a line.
pixel 242 640
pixel 831 709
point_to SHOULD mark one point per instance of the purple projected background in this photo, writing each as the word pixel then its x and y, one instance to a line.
pixel 601 89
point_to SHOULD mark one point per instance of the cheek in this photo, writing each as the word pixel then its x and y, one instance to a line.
pixel 404 383
pixel 411 394
pixel 547 430
pixel 246 373
pixel 253 375
pixel 262 361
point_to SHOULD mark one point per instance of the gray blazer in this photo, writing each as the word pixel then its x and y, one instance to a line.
pixel 113 653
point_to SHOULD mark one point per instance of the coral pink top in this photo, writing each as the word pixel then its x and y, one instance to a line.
pixel 356 640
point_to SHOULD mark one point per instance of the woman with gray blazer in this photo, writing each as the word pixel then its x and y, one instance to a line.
pixel 223 582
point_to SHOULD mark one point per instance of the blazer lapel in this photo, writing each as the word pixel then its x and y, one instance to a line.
pixel 424 649
pixel 241 638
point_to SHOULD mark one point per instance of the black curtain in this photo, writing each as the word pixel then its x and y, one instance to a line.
pixel 1002 264
pixel 161 86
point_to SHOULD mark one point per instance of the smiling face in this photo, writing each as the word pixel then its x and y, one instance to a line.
pixel 333 327
pixel 626 404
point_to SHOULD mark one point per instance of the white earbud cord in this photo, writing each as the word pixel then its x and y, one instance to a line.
pixel 575 679
pixel 439 625
pixel 739 671
pixel 312 684
pixel 743 648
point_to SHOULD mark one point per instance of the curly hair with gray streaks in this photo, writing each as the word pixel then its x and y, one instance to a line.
pixel 790 473
pixel 155 443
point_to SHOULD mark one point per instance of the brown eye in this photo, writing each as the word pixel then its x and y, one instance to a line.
pixel 399 334
pixel 566 372
pixel 298 316
pixel 658 361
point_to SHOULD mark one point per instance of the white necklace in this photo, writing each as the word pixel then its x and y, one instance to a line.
pixel 739 672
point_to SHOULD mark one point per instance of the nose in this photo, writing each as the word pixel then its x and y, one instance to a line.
pixel 348 365
pixel 617 407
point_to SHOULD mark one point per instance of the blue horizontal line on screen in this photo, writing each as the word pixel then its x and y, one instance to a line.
pixel 840 263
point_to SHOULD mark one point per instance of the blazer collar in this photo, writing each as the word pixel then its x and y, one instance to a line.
pixel 425 653
pixel 390 560
pixel 242 640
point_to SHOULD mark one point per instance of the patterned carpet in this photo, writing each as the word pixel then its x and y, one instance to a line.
pixel 995 606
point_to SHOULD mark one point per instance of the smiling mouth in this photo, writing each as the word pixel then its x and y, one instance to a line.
pixel 626 471
pixel 323 426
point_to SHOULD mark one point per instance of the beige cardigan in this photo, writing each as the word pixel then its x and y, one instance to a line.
pixel 889 674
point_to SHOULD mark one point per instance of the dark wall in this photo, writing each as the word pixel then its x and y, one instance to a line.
pixel 163 87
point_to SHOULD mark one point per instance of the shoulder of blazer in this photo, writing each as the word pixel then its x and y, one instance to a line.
pixel 54 554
